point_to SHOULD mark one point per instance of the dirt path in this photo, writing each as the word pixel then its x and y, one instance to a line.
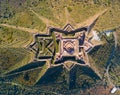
pixel 45 20
pixel 91 20
pixel 67 16
pixel 20 28
pixel 22 72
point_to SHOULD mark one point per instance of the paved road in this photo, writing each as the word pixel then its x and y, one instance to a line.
pixel 115 37
pixel 30 88
pixel 109 60
pixel 108 76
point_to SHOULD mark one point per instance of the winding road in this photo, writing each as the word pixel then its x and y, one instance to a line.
pixel 109 60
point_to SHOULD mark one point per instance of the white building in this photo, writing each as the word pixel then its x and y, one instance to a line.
pixel 114 90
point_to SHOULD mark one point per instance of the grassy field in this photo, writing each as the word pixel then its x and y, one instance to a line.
pixel 101 61
pixel 14 38
pixel 115 65
pixel 13 58
pixel 28 78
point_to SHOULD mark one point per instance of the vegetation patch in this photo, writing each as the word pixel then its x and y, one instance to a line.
pixel 12 58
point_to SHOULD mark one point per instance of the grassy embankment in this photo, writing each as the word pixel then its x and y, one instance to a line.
pixel 13 58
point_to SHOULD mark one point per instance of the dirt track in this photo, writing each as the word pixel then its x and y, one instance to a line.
pixel 20 28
